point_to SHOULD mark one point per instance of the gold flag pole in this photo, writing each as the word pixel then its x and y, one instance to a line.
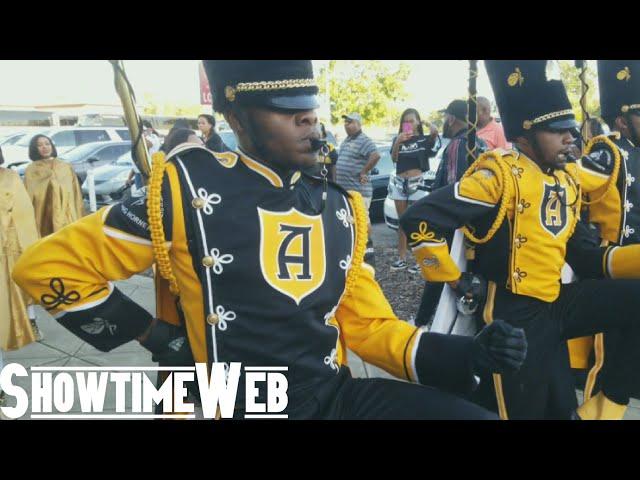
pixel 139 150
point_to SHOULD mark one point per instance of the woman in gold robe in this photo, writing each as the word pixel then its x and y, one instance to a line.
pixel 53 187
pixel 17 231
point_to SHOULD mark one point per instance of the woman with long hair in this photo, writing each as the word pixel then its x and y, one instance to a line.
pixel 410 151
pixel 53 187
pixel 207 126
pixel 178 136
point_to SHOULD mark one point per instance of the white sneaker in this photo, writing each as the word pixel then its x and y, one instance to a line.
pixel 414 269
pixel 398 265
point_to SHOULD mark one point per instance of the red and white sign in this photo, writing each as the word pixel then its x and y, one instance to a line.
pixel 205 90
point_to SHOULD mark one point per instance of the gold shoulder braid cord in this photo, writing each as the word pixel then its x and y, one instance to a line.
pixel 577 205
pixel 611 181
pixel 154 212
pixel 360 248
pixel 504 200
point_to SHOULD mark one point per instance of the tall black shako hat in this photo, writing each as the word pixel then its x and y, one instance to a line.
pixel 619 82
pixel 282 84
pixel 530 94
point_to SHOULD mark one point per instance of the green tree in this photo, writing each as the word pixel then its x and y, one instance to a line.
pixel 571 78
pixel 368 87
pixel 436 117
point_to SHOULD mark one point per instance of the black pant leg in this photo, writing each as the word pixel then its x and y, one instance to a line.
pixel 428 302
pixel 527 392
pixel 609 306
pixel 382 399
pixel 562 400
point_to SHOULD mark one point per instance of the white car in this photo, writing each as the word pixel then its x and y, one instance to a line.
pixel 390 212
pixel 64 138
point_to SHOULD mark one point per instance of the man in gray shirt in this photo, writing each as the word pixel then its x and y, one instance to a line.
pixel 356 158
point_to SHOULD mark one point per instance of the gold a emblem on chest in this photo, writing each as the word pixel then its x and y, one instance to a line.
pixel 292 252
pixel 553 209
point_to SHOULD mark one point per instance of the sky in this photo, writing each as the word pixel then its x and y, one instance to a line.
pixel 431 85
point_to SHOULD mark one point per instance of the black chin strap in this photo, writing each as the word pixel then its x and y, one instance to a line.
pixel 324 153
pixel 556 188
pixel 633 133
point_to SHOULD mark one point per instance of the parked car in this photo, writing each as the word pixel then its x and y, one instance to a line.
pixel 109 181
pixel 380 182
pixel 89 155
pixel 93 155
pixel 332 139
pixel 229 139
pixel 64 138
pixel 11 139
pixel 390 212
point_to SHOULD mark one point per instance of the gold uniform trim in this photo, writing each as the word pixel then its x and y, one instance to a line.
pixel 230 92
pixel 626 108
pixel 487 315
pixel 154 212
pixel 598 345
pixel 263 170
pixel 527 124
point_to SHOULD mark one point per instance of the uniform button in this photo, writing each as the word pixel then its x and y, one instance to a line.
pixel 350 219
pixel 212 319
pixel 207 262
pixel 197 203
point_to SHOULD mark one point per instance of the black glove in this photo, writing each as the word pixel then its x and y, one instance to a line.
pixel 472 289
pixel 169 345
pixel 499 348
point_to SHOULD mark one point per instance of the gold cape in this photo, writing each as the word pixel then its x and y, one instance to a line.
pixel 17 231
pixel 55 193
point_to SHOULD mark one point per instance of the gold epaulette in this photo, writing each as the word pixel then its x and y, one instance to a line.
pixel 491 160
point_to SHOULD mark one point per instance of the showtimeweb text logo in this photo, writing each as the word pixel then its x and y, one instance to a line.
pixel 80 392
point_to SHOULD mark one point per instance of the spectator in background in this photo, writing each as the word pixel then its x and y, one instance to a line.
pixel 488 129
pixel 152 139
pixel 18 230
pixel 54 191
pixel 357 156
pixel 178 136
pixel 453 165
pixel 207 126
pixel 454 158
pixel 53 187
pixel 410 151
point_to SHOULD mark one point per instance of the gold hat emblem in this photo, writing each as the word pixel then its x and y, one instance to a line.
pixel 230 93
pixel 527 124
pixel 515 78
pixel 624 74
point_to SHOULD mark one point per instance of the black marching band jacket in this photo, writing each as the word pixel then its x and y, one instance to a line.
pixel 264 277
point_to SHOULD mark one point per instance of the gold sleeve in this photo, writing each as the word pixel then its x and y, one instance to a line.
pixel 71 270
pixel 622 262
pixel 447 209
pixel 372 331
